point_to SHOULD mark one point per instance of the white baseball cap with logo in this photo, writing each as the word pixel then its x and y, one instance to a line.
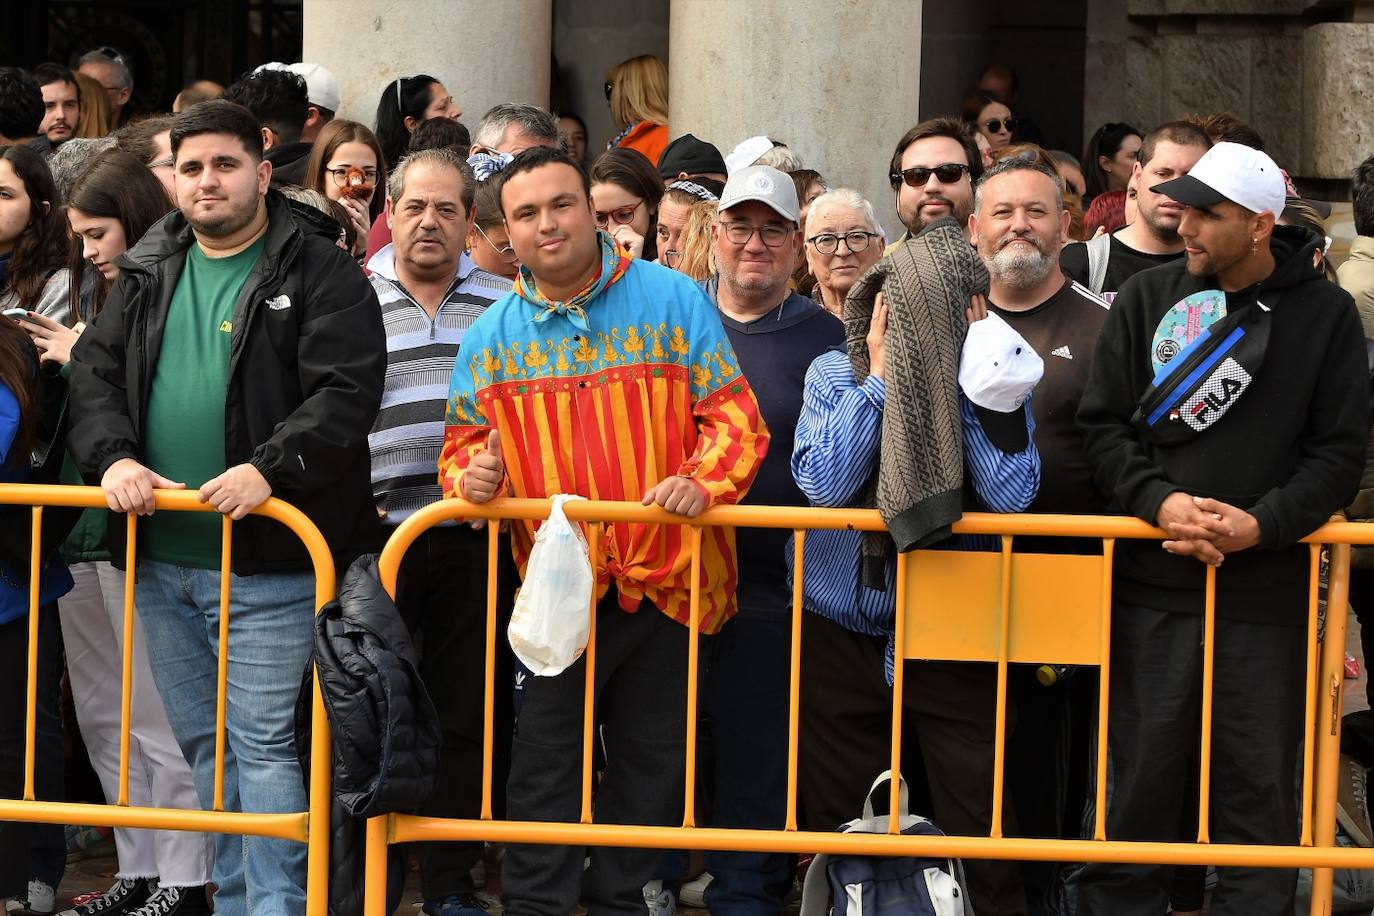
pixel 998 369
pixel 766 185
pixel 321 86
pixel 1234 172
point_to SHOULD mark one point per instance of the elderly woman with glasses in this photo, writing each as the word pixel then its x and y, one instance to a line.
pixel 626 191
pixel 843 240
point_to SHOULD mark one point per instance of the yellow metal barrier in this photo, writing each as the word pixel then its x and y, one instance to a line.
pixel 286 826
pixel 1005 610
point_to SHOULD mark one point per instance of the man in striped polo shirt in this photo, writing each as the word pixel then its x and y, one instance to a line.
pixel 431 293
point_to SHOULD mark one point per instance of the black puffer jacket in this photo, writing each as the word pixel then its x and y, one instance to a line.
pixel 385 728
pixel 307 361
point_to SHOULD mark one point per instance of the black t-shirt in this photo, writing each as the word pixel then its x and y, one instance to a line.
pixel 1063 330
pixel 1124 262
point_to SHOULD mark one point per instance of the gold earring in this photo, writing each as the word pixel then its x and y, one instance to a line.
pixel 1254 246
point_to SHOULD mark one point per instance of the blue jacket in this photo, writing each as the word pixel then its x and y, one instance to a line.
pixel 14 584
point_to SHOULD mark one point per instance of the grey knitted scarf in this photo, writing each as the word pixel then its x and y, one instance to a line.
pixel 926 282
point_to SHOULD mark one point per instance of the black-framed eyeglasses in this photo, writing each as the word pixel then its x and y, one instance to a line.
pixel 508 253
pixel 740 233
pixel 829 242
pixel 994 125
pixel 340 175
pixel 609 87
pixel 917 176
pixel 622 216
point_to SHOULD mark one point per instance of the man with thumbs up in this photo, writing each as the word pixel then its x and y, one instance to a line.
pixel 611 378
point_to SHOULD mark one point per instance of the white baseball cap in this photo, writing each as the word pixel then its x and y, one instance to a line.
pixel 998 368
pixel 321 86
pixel 745 152
pixel 766 185
pixel 1230 171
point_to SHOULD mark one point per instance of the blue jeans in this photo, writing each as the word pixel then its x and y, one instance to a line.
pixel 270 634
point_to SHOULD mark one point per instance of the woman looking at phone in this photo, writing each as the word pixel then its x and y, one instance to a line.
pixel 33 239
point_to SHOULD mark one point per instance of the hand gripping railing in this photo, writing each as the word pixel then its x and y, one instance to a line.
pixel 1014 607
pixel 287 826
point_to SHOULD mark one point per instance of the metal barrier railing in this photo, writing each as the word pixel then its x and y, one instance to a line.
pixel 1005 607
pixel 286 826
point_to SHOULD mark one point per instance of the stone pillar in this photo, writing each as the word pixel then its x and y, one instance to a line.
pixel 837 80
pixel 1337 83
pixel 483 51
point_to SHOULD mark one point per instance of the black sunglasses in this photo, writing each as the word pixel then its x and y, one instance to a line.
pixel 994 125
pixel 111 53
pixel 917 176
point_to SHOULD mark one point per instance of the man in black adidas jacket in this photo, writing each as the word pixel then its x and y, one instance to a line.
pixel 1264 463
pixel 240 352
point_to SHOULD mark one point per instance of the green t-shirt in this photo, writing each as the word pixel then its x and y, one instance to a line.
pixel 184 436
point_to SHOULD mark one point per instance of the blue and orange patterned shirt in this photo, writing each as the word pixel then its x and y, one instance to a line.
pixel 604 396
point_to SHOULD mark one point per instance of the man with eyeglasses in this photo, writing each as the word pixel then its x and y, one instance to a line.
pixel 430 294
pixel 776 334
pixel 932 174
pixel 111 70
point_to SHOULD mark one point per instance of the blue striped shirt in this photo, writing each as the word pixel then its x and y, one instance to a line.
pixel 835 453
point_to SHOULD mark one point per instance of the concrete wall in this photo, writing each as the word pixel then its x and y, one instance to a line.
pixel 369 43
pixel 590 37
pixel 838 80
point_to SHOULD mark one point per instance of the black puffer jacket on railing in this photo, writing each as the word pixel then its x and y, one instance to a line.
pixel 384 726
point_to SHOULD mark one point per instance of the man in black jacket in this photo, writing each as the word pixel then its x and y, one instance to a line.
pixel 1236 470
pixel 240 352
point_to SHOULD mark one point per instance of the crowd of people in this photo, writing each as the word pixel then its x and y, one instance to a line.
pixel 253 297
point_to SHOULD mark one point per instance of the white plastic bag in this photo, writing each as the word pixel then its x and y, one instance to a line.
pixel 550 625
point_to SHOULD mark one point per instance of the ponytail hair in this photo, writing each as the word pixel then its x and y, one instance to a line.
pixel 403 97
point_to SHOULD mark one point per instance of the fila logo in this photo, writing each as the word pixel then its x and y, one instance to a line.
pixel 277 303
pixel 1214 397
pixel 1062 351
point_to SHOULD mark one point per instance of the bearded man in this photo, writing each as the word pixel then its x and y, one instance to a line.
pixel 240 352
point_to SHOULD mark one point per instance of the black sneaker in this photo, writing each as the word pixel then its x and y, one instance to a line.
pixel 127 895
pixel 181 901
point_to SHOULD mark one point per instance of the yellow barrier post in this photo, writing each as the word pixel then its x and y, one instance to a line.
pixel 296 826
pixel 1001 636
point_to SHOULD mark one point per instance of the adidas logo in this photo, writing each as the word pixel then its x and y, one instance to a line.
pixel 1062 351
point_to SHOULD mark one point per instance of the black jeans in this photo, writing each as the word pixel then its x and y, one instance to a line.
pixel 442 595
pixel 949 711
pixel 641 705
pixel 16 837
pixel 1153 734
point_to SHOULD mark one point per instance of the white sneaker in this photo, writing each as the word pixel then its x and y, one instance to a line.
pixel 693 893
pixel 659 900
pixel 41 901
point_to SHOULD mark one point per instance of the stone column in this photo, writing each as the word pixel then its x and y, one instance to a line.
pixel 483 51
pixel 1337 82
pixel 837 80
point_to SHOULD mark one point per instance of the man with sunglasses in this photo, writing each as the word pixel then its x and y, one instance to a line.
pixel 932 174
pixel 431 293
pixel 111 70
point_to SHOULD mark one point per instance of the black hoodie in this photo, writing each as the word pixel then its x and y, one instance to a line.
pixel 1290 451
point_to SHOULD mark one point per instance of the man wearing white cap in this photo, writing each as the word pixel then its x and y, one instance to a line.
pixel 322 89
pixel 1227 404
